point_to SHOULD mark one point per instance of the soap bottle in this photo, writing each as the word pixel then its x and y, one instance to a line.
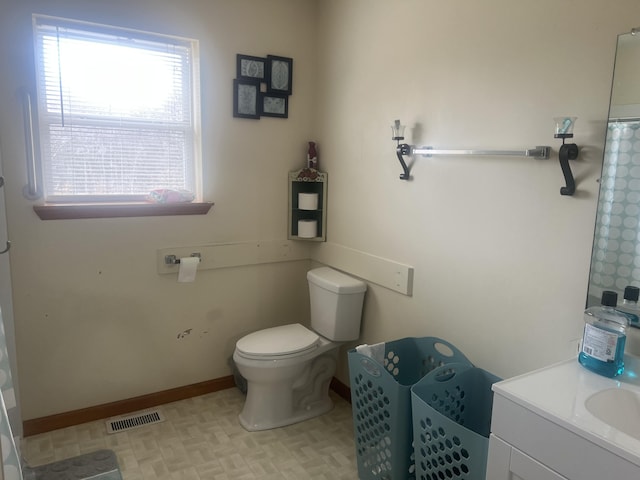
pixel 605 333
pixel 630 306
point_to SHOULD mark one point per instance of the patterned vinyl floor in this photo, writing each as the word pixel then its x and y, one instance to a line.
pixel 201 439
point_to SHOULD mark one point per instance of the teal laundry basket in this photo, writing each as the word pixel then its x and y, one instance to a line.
pixel 451 422
pixel 381 402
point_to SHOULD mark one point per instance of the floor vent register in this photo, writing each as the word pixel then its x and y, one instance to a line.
pixel 128 422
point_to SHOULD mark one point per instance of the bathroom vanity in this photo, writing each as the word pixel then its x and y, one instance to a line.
pixel 565 422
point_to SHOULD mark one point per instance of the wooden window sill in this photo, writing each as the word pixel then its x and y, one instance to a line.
pixel 77 211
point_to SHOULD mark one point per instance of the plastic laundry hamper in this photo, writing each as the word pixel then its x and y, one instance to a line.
pixel 451 422
pixel 381 402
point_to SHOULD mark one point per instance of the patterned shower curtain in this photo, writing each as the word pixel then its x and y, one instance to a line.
pixel 10 462
pixel 615 262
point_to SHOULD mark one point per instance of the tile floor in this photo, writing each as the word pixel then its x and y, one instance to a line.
pixel 201 439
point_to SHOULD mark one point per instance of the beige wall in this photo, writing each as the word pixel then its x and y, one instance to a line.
pixel 95 322
pixel 501 259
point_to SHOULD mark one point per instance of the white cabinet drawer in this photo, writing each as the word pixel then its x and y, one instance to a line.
pixel 526 468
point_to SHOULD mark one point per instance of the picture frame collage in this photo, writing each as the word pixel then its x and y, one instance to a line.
pixel 262 86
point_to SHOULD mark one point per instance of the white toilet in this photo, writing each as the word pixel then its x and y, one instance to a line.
pixel 288 369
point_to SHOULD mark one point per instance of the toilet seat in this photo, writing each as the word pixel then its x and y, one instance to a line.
pixel 278 342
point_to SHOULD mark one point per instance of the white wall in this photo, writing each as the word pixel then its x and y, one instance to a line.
pixel 501 258
pixel 95 323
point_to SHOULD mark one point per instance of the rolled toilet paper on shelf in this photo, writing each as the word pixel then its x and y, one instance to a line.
pixel 188 268
pixel 308 201
pixel 307 228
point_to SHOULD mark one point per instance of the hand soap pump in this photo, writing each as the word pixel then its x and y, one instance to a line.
pixel 605 333
pixel 630 306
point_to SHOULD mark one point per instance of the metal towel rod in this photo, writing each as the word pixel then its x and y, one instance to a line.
pixel 538 152
pixel 404 149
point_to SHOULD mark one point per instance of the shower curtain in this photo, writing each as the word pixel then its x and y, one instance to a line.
pixel 10 462
pixel 615 259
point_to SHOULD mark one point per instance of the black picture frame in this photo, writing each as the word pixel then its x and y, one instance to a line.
pixel 246 98
pixel 279 74
pixel 249 66
pixel 274 105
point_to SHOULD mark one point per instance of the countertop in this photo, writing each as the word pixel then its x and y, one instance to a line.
pixel 559 392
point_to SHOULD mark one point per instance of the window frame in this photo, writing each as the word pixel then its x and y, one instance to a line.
pixel 95 206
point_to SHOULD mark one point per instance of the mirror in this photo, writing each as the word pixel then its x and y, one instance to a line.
pixel 615 261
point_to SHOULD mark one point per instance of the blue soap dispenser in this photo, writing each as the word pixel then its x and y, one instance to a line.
pixel 605 334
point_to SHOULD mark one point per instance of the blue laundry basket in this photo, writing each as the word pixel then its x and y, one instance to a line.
pixel 381 403
pixel 451 422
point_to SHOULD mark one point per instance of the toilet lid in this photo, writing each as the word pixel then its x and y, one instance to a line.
pixel 283 340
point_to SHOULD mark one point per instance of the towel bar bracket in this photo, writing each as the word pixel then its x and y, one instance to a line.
pixel 568 151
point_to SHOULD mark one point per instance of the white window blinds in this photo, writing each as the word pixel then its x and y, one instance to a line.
pixel 117 112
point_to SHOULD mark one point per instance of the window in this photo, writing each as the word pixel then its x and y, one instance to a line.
pixel 118 112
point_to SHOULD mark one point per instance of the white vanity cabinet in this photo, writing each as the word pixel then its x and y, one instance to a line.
pixel 506 462
pixel 541 429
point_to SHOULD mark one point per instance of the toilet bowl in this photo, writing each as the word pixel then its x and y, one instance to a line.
pixel 288 368
pixel 285 388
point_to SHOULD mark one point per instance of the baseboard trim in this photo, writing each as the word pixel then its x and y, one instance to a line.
pixel 341 389
pixel 107 410
pixel 36 426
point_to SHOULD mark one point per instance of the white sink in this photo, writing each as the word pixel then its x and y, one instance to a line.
pixel 617 407
pixel 604 411
pixel 576 423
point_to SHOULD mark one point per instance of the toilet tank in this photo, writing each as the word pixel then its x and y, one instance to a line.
pixel 336 304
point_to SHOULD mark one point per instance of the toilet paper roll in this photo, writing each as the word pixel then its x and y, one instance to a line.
pixel 307 228
pixel 188 268
pixel 308 201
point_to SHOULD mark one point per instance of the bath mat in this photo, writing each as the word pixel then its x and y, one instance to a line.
pixel 99 465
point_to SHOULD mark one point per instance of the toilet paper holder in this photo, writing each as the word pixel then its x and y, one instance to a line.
pixel 174 260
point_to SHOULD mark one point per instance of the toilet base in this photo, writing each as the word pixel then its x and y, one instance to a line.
pixel 274 404
pixel 319 409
